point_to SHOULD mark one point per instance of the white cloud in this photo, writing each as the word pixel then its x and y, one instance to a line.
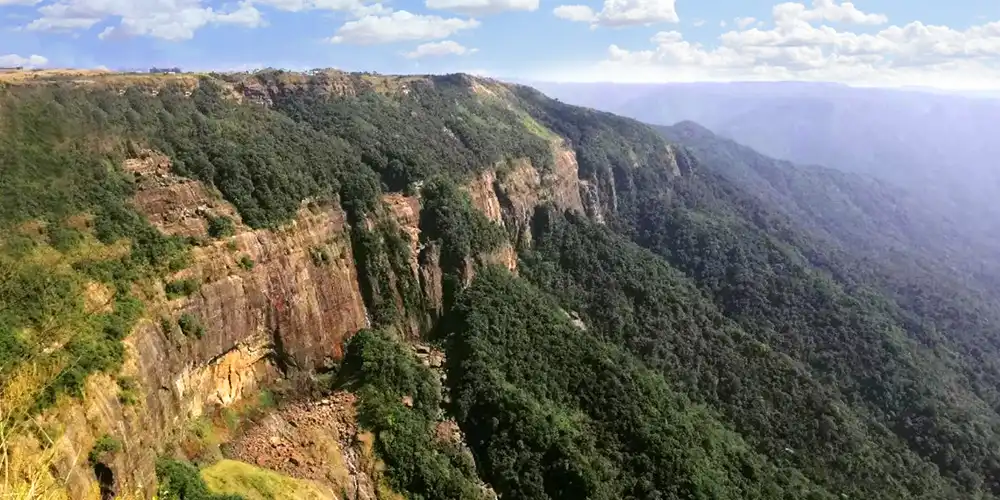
pixel 722 24
pixel 166 19
pixel 578 13
pixel 437 49
pixel 357 8
pixel 63 23
pixel 743 22
pixel 398 27
pixel 801 47
pixel 618 13
pixel 482 7
pixel 13 60
pixel 825 10
pixel 698 23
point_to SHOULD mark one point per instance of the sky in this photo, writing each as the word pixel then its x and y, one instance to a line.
pixel 949 45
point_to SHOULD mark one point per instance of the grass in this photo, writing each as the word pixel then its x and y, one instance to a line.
pixel 536 128
pixel 253 483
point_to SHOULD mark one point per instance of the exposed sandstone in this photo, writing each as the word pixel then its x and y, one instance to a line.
pixel 309 309
pixel 521 187
pixel 174 204
pixel 432 282
pixel 406 211
pixel 482 191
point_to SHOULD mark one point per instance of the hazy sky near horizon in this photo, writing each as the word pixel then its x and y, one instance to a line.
pixel 953 45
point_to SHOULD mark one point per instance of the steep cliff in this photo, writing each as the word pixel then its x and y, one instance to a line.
pixel 265 306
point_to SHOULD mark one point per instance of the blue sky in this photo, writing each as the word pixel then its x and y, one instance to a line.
pixel 870 42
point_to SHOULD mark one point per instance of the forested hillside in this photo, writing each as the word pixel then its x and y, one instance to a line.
pixel 617 311
pixel 933 145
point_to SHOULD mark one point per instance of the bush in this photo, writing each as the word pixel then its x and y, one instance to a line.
pixel 386 372
pixel 181 481
pixel 246 262
pixel 63 238
pixel 221 226
pixel 128 391
pixel 182 287
pixel 320 256
pixel 190 325
pixel 105 445
pixel 448 216
pixel 166 325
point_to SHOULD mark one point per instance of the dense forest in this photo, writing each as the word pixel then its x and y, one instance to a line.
pixel 732 327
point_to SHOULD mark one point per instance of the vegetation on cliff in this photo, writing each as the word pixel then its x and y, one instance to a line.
pixel 400 403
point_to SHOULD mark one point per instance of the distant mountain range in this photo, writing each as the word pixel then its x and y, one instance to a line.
pixel 941 147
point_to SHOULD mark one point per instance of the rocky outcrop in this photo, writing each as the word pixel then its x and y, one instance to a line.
pixel 432 282
pixel 74 428
pixel 318 441
pixel 174 204
pixel 680 160
pixel 482 192
pixel 405 210
pixel 519 187
pixel 265 306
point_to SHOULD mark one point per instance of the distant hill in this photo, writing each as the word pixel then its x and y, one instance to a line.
pixel 940 146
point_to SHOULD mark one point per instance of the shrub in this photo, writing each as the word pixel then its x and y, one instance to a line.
pixel 191 326
pixel 128 391
pixel 181 481
pixel 104 446
pixel 63 238
pixel 182 287
pixel 320 256
pixel 246 262
pixel 387 373
pixel 221 226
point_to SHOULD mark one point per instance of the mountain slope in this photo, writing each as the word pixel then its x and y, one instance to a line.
pixel 613 314
pixel 856 211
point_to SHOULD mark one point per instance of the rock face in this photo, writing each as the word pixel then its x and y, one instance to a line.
pixel 520 187
pixel 306 306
